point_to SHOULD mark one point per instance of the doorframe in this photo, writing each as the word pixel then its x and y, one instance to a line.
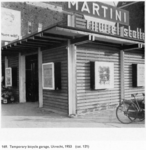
pixel 22 77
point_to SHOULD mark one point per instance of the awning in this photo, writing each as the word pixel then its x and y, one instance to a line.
pixel 57 35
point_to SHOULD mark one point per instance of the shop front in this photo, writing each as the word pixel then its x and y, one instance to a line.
pixel 86 66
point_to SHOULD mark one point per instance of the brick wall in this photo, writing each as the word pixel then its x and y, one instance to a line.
pixel 35 15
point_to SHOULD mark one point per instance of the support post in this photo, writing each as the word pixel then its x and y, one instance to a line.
pixel 6 66
pixel 72 78
pixel 122 74
pixel 40 77
pixel 22 79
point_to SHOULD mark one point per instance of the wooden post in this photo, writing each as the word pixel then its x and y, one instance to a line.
pixel 22 79
pixel 71 70
pixel 122 74
pixel 72 78
pixel 6 66
pixel 40 77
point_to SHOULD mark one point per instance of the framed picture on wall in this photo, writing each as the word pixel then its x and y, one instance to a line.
pixel 48 76
pixel 104 75
pixel 138 75
pixel 8 77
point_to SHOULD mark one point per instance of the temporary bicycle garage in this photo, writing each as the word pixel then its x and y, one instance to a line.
pixel 83 67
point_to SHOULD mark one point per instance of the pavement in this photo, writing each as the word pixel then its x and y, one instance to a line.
pixel 29 115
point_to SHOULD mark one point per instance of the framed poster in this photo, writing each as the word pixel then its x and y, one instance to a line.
pixel 140 75
pixel 104 75
pixel 48 76
pixel 8 77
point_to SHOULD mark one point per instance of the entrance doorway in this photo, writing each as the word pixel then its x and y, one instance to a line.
pixel 32 78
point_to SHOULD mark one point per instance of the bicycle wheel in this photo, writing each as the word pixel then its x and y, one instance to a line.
pixel 141 115
pixel 132 112
pixel 122 113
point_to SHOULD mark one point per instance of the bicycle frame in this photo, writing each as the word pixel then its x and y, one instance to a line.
pixel 136 101
pixel 131 109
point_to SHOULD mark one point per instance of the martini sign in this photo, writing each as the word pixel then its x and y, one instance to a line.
pixel 106 19
pixel 99 10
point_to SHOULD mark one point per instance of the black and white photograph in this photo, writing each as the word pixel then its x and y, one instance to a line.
pixel 72 66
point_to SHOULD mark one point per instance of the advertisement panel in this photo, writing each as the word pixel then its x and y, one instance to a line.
pixel 10 24
pixel 104 75
pixel 8 77
pixel 140 75
pixel 99 10
pixel 48 76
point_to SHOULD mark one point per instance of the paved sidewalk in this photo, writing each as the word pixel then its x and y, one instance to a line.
pixel 28 115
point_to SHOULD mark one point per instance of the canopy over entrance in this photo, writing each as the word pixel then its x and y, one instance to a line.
pixel 57 35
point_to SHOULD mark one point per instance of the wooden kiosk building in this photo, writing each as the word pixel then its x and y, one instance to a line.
pixel 79 67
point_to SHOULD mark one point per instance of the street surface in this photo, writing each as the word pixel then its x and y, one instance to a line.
pixel 29 115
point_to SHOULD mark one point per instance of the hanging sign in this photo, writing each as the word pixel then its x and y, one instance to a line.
pixel 11 24
pixel 99 10
pixel 8 77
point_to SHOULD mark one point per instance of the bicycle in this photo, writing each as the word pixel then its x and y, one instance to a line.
pixel 130 110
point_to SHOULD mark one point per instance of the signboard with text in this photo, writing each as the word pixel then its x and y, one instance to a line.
pixel 10 24
pixel 99 10
pixel 105 19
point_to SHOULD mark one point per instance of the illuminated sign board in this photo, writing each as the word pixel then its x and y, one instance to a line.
pixel 99 10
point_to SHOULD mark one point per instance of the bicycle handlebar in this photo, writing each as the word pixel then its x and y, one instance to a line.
pixel 134 95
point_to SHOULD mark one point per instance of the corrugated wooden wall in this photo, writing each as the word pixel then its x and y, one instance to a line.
pixel 132 57
pixel 87 99
pixel 57 99
pixel 13 61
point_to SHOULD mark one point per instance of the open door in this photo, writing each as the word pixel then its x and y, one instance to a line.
pixel 32 78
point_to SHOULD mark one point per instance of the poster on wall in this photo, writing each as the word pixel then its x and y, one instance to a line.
pixel 8 77
pixel 104 75
pixel 48 76
pixel 140 75
pixel 10 24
